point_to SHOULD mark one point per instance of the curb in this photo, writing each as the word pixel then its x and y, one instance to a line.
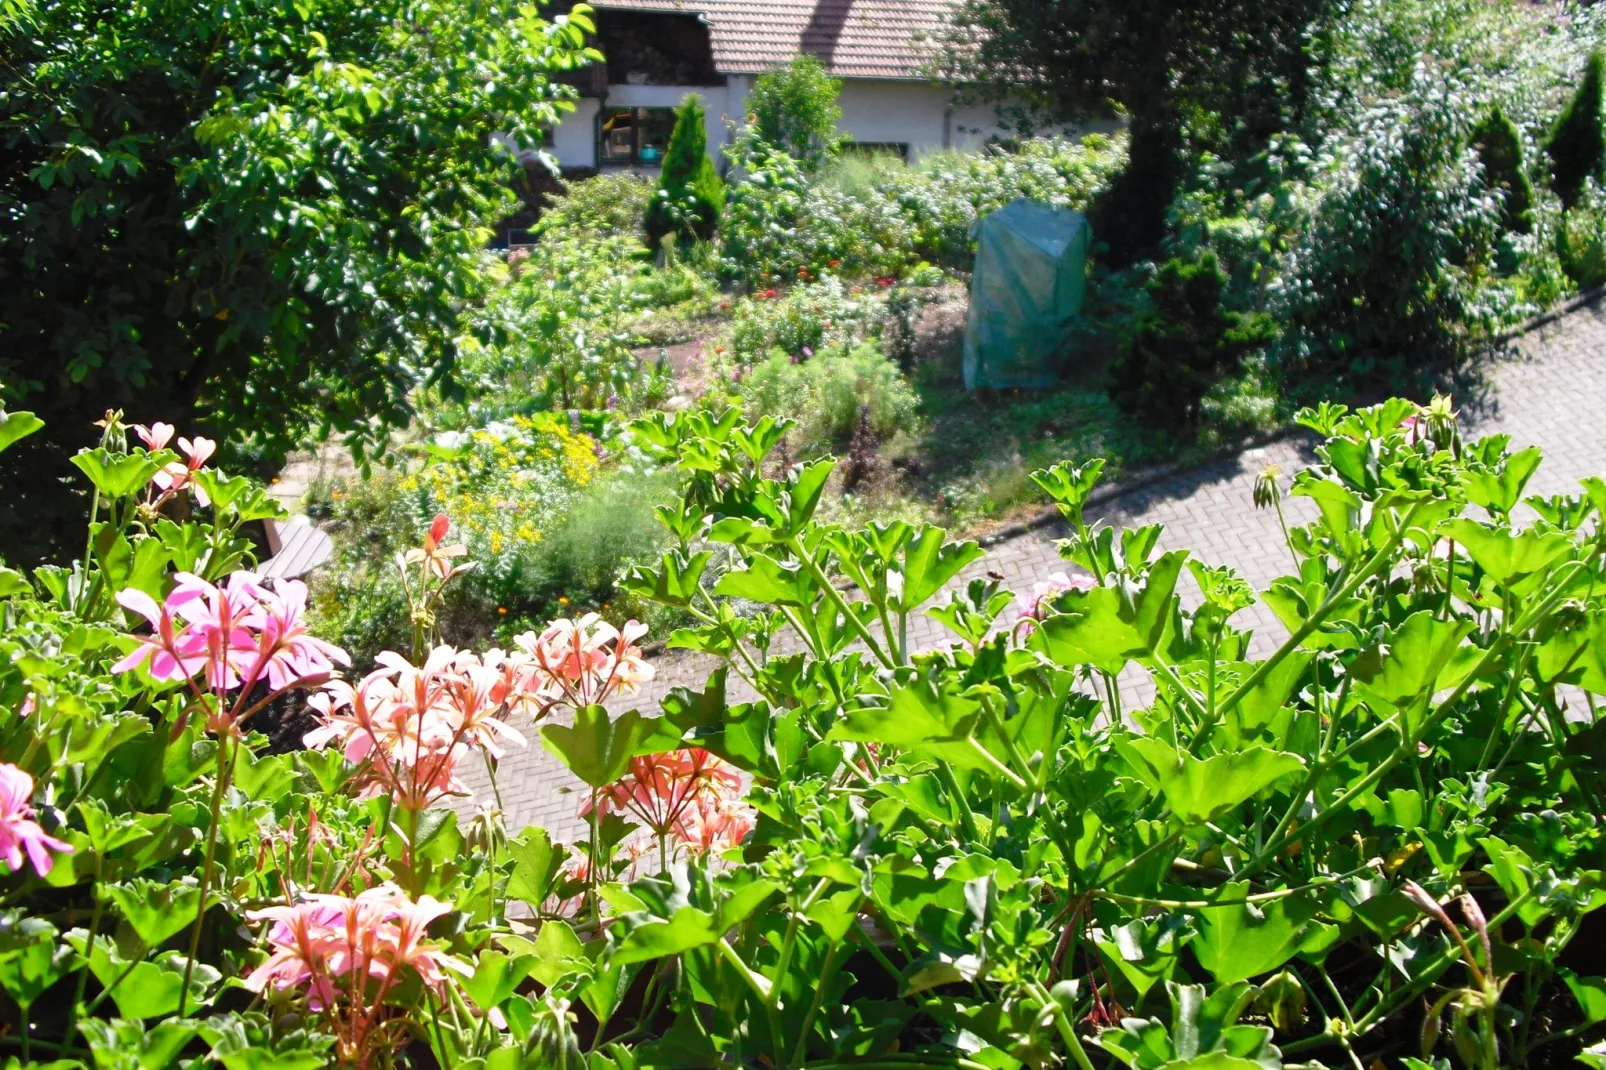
pixel 1554 313
pixel 1149 477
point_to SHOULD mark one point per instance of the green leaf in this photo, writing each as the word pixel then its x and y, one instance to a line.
pixel 928 565
pixel 1238 941
pixel 1109 626
pixel 595 749
pixel 1199 790
pixel 118 1043
pixel 496 977
pixel 30 959
pixel 536 864
pixel 558 953
pixel 15 426
pixel 155 911
pixel 1590 992
pixel 116 476
pixel 1424 655
pixel 1505 556
pixel 674 582
pixel 686 928
pixel 919 717
pixel 768 580
pixel 13 583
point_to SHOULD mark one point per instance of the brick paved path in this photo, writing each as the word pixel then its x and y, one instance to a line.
pixel 1549 391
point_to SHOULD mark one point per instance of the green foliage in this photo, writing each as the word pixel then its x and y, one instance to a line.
pixel 1577 146
pixel 823 393
pixel 1499 145
pixel 252 219
pixel 1183 343
pixel 557 330
pixel 1392 277
pixel 960 857
pixel 1247 66
pixel 880 216
pixel 801 321
pixel 690 193
pixel 532 503
pixel 603 206
pixel 1581 238
pixel 795 109
pixel 1252 836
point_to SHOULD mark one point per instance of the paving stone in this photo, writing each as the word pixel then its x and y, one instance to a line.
pixel 1549 390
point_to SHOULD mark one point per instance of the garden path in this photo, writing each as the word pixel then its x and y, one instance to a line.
pixel 1548 390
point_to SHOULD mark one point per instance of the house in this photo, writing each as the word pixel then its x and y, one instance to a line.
pixel 661 51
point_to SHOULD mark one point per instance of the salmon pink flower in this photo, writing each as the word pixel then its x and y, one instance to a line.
pixel 434 556
pixel 19 833
pixel 156 436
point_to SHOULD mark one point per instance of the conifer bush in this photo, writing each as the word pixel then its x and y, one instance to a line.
pixel 1184 342
pixel 1577 148
pixel 690 193
pixel 1499 146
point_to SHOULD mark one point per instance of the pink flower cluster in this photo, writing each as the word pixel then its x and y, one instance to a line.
pixel 1032 608
pixel 19 832
pixel 346 954
pixel 689 794
pixel 409 726
pixel 232 635
pixel 583 662
pixel 176 475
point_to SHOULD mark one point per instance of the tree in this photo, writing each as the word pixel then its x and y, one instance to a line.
pixel 795 109
pixel 250 218
pixel 690 193
pixel 1577 147
pixel 1245 63
pixel 1499 146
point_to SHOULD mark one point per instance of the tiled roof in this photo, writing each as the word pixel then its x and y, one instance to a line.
pixel 855 38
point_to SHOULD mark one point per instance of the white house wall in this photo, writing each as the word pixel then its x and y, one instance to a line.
pixel 916 114
pixel 574 141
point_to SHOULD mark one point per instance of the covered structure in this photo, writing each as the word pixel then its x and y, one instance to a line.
pixel 1029 280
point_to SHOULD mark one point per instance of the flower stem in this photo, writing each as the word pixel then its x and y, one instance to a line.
pixel 225 769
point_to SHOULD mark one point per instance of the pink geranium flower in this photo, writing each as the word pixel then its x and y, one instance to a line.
pixel 156 436
pixel 1040 603
pixel 291 653
pixel 19 833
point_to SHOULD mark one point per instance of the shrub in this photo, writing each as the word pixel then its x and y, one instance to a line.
pixel 781 227
pixel 801 321
pixel 823 394
pixel 690 193
pixel 1183 343
pixel 1577 147
pixel 1499 145
pixel 795 109
pixel 1391 277
pixel 557 331
pixel 1581 239
pixel 603 206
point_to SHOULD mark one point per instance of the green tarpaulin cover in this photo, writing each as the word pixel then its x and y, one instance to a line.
pixel 1027 287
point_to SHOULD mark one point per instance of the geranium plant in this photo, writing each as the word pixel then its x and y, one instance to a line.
pixel 1090 829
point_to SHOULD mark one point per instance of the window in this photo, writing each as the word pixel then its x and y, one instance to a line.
pixel 632 136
